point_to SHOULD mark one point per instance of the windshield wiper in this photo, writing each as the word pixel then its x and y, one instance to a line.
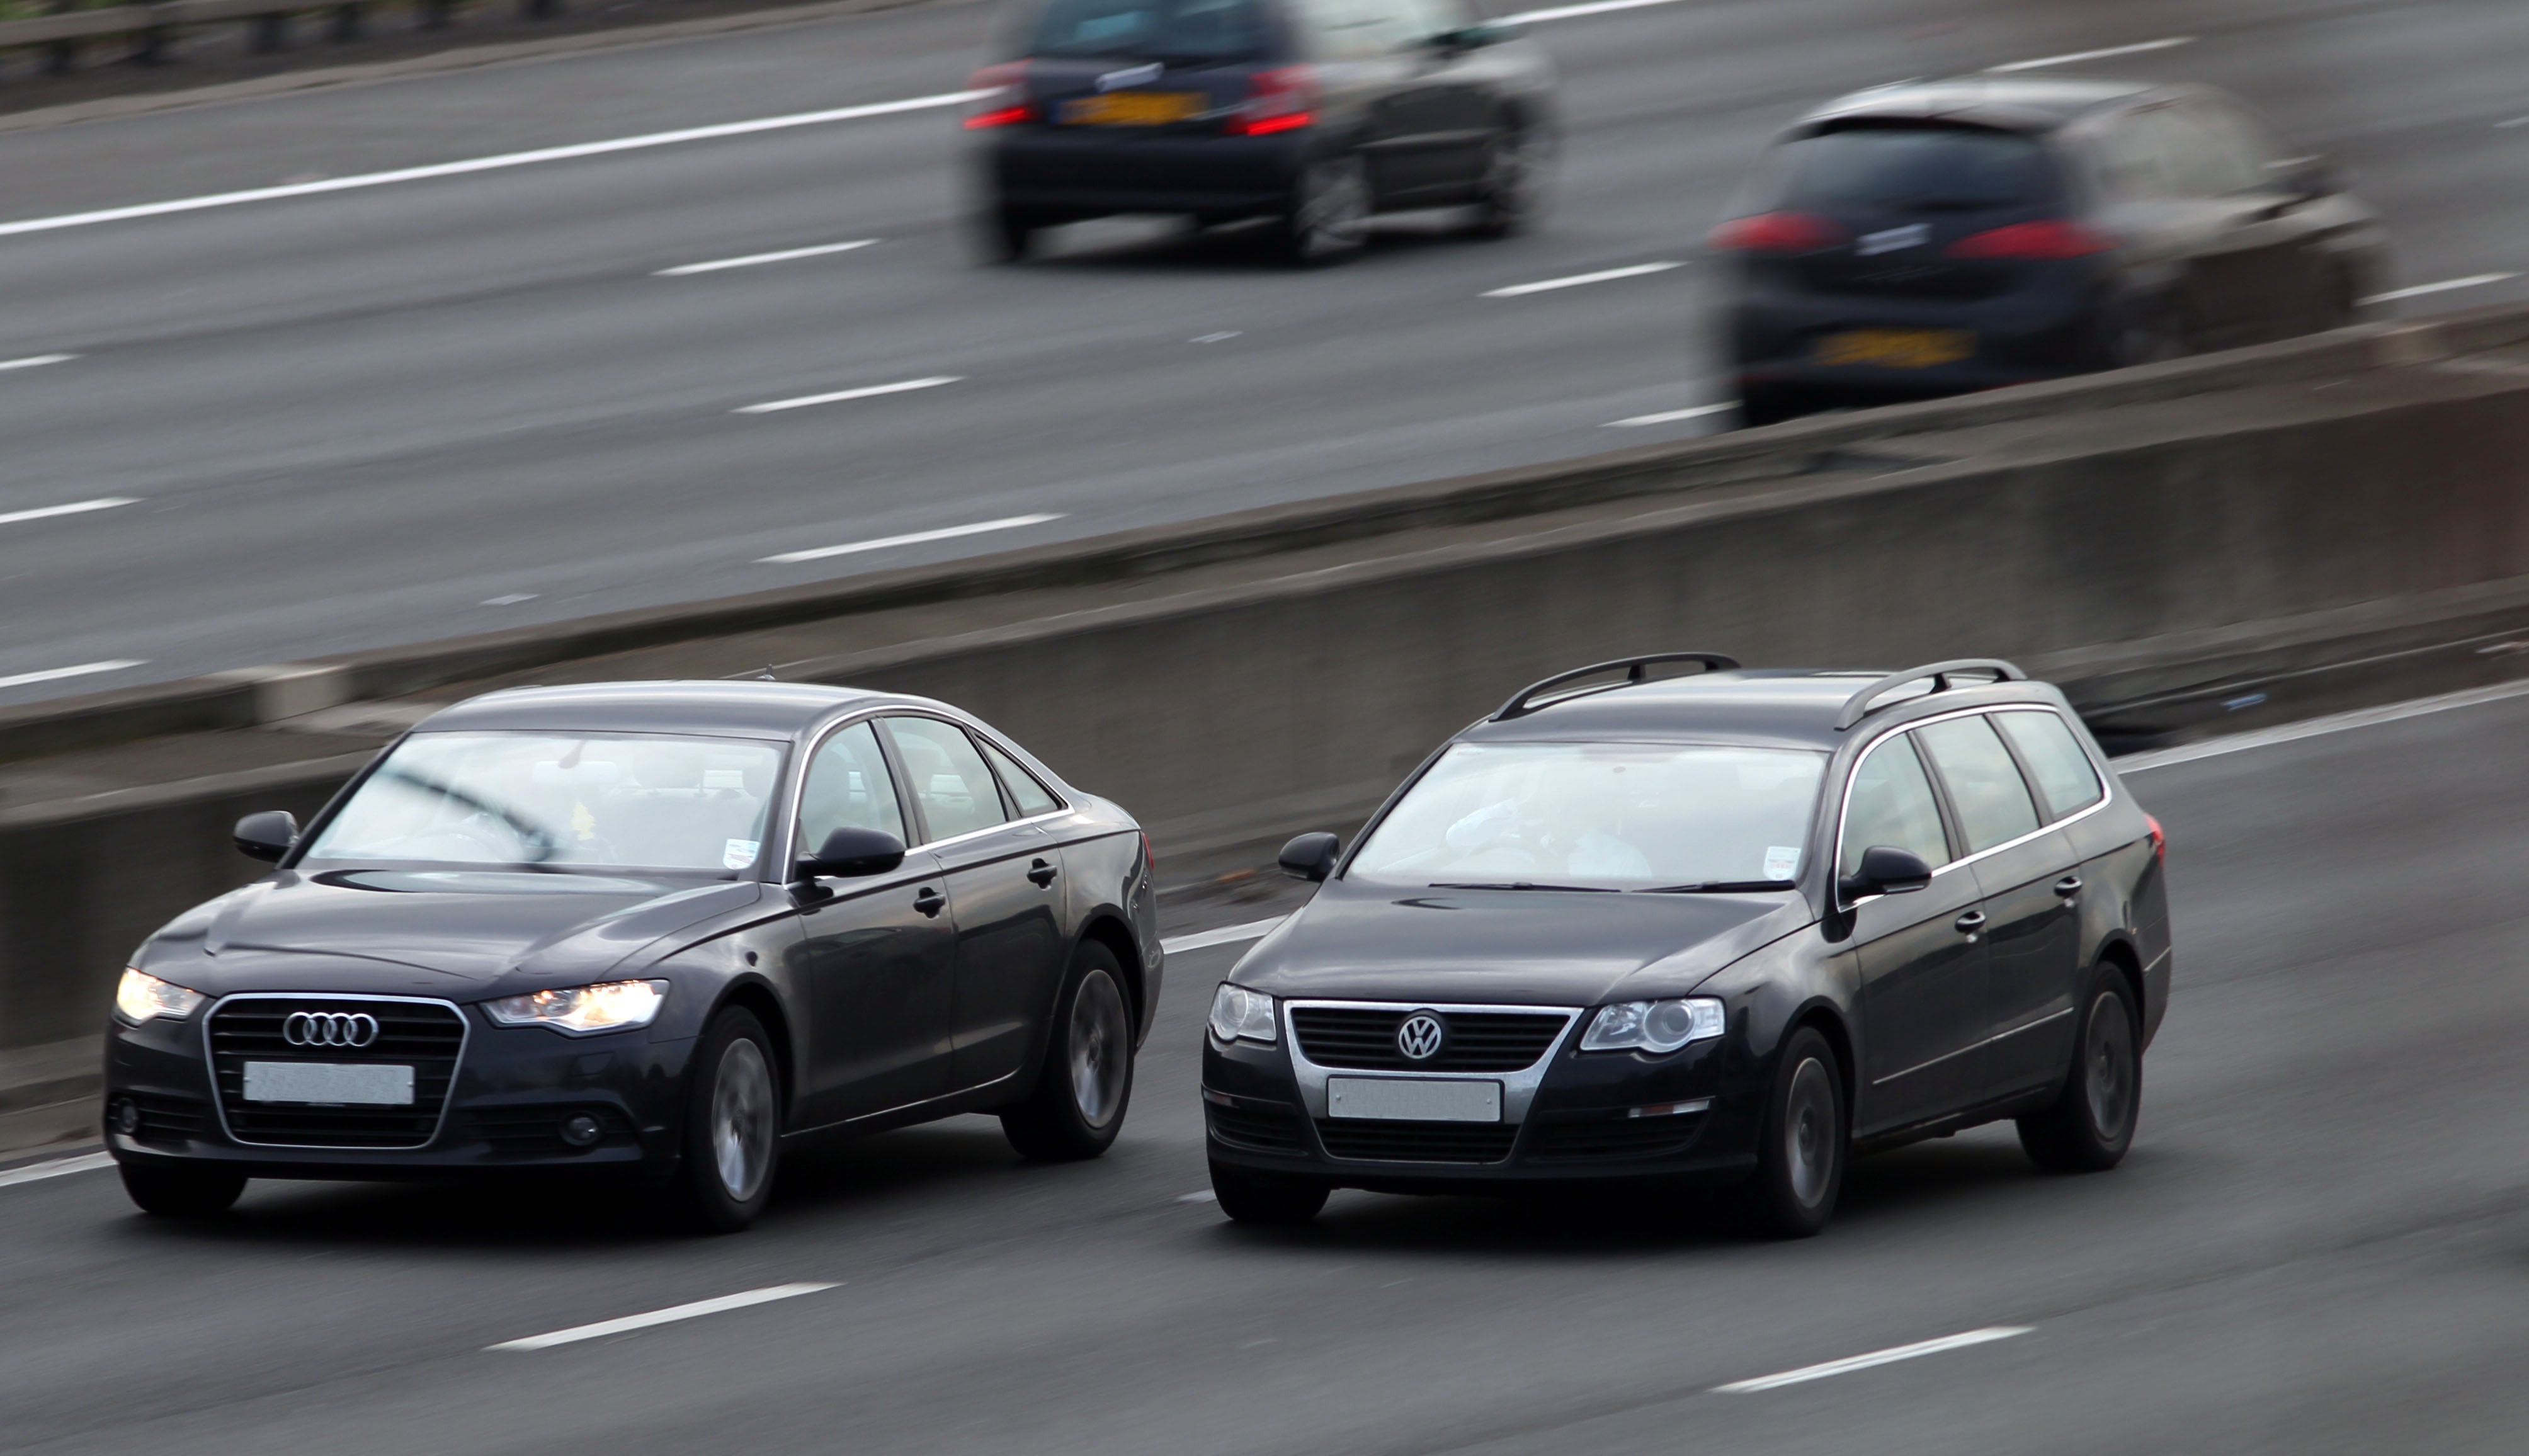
pixel 1717 886
pixel 1531 885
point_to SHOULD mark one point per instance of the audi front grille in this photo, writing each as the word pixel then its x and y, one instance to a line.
pixel 426 1035
pixel 1364 1038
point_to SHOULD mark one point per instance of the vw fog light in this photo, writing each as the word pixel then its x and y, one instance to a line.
pixel 140 997
pixel 612 1005
pixel 1655 1026
pixel 1238 1013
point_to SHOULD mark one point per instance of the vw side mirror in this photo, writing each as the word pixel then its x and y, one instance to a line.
pixel 1310 857
pixel 2308 178
pixel 1887 870
pixel 849 853
pixel 267 835
pixel 1475 36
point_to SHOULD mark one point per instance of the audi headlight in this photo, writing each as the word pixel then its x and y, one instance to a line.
pixel 1654 1026
pixel 138 997
pixel 1238 1012
pixel 612 1005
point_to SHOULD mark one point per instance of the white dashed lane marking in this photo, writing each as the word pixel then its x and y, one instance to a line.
pixel 1853 1362
pixel 670 1316
pixel 911 538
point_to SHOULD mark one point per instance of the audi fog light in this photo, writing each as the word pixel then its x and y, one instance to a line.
pixel 140 997
pixel 612 1005
pixel 1654 1026
pixel 1238 1012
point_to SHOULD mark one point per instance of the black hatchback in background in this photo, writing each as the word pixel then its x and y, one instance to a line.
pixel 1313 113
pixel 1933 239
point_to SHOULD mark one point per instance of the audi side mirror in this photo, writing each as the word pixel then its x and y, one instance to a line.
pixel 1887 870
pixel 2308 178
pixel 1310 857
pixel 267 835
pixel 1475 36
pixel 849 853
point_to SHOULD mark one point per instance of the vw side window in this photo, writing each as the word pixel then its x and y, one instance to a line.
pixel 2064 775
pixel 1026 794
pixel 1985 787
pixel 848 787
pixel 949 779
pixel 1892 804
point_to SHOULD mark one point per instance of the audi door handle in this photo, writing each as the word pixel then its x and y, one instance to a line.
pixel 2069 887
pixel 931 902
pixel 1041 874
pixel 1969 923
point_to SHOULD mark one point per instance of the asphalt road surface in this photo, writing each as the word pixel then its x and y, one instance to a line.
pixel 330 420
pixel 2320 1244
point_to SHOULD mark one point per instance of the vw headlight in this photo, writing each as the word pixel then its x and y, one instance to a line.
pixel 140 997
pixel 1238 1012
pixel 1655 1026
pixel 612 1005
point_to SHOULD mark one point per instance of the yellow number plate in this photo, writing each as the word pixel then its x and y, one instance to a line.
pixel 1133 108
pixel 1897 348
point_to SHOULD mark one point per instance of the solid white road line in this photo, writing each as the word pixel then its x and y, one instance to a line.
pixel 48 674
pixel 35 1173
pixel 498 163
pixel 1576 279
pixel 1574 12
pixel 74 507
pixel 683 270
pixel 867 392
pixel 915 538
pixel 1878 1357
pixel 2168 42
pixel 2313 727
pixel 37 361
pixel 2473 280
pixel 1670 416
pixel 1227 935
pixel 2517 120
pixel 696 1309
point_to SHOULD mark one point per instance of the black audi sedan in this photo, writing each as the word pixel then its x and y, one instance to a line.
pixel 1941 237
pixel 659 932
pixel 1316 114
pixel 1726 927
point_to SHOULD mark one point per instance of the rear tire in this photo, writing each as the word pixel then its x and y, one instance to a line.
pixel 2091 1122
pixel 1801 1154
pixel 732 1142
pixel 1769 407
pixel 1512 199
pixel 1086 1083
pixel 1005 234
pixel 1328 215
pixel 181 1193
pixel 1276 1200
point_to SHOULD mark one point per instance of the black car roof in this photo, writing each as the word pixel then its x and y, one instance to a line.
pixel 2008 103
pixel 1772 707
pixel 745 708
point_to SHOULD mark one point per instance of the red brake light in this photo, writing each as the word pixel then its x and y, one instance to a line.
pixel 2159 840
pixel 2051 239
pixel 1776 231
pixel 1005 100
pixel 1283 98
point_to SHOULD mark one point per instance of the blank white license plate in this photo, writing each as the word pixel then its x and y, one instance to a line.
pixel 1396 1099
pixel 335 1083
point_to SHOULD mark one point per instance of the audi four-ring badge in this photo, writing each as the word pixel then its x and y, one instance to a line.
pixel 653 932
pixel 1721 927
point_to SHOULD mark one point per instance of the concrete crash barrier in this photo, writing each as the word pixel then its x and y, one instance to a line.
pixel 2337 518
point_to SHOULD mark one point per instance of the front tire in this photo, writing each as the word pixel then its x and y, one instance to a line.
pixel 1512 195
pixel 1276 1200
pixel 2091 1122
pixel 181 1193
pixel 732 1127
pixel 1800 1154
pixel 1087 1081
pixel 1328 217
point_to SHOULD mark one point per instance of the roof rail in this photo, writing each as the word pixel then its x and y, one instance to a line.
pixel 1857 706
pixel 1523 702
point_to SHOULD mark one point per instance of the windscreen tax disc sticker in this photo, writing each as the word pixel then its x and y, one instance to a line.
pixel 1781 860
pixel 737 854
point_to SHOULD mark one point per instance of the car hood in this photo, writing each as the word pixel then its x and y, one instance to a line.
pixel 1510 948
pixel 434 934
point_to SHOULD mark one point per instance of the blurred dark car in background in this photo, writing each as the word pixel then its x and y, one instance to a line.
pixel 1314 113
pixel 1933 239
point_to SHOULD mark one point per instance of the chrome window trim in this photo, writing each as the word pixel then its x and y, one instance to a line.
pixel 871 715
pixel 1518 1088
pixel 2110 788
pixel 220 1101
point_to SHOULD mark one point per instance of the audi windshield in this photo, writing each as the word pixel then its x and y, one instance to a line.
pixel 1600 816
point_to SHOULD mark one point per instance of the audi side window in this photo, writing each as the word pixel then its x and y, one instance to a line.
pixel 2064 772
pixel 949 778
pixel 1985 785
pixel 1025 791
pixel 1892 804
pixel 848 787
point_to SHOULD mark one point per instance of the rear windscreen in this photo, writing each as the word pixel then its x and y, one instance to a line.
pixel 1914 169
pixel 1151 29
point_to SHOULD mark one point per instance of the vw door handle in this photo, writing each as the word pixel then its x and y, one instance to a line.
pixel 1969 923
pixel 1041 875
pixel 931 902
pixel 2069 887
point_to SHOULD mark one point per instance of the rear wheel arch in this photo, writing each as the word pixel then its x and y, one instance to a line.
pixel 2119 951
pixel 1109 928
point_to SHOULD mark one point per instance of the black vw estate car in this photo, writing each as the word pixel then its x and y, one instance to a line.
pixel 663 931
pixel 1727 927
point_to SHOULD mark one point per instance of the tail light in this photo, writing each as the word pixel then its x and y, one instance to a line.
pixel 1004 100
pixel 2051 239
pixel 2159 840
pixel 1281 99
pixel 1776 231
pixel 1149 859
